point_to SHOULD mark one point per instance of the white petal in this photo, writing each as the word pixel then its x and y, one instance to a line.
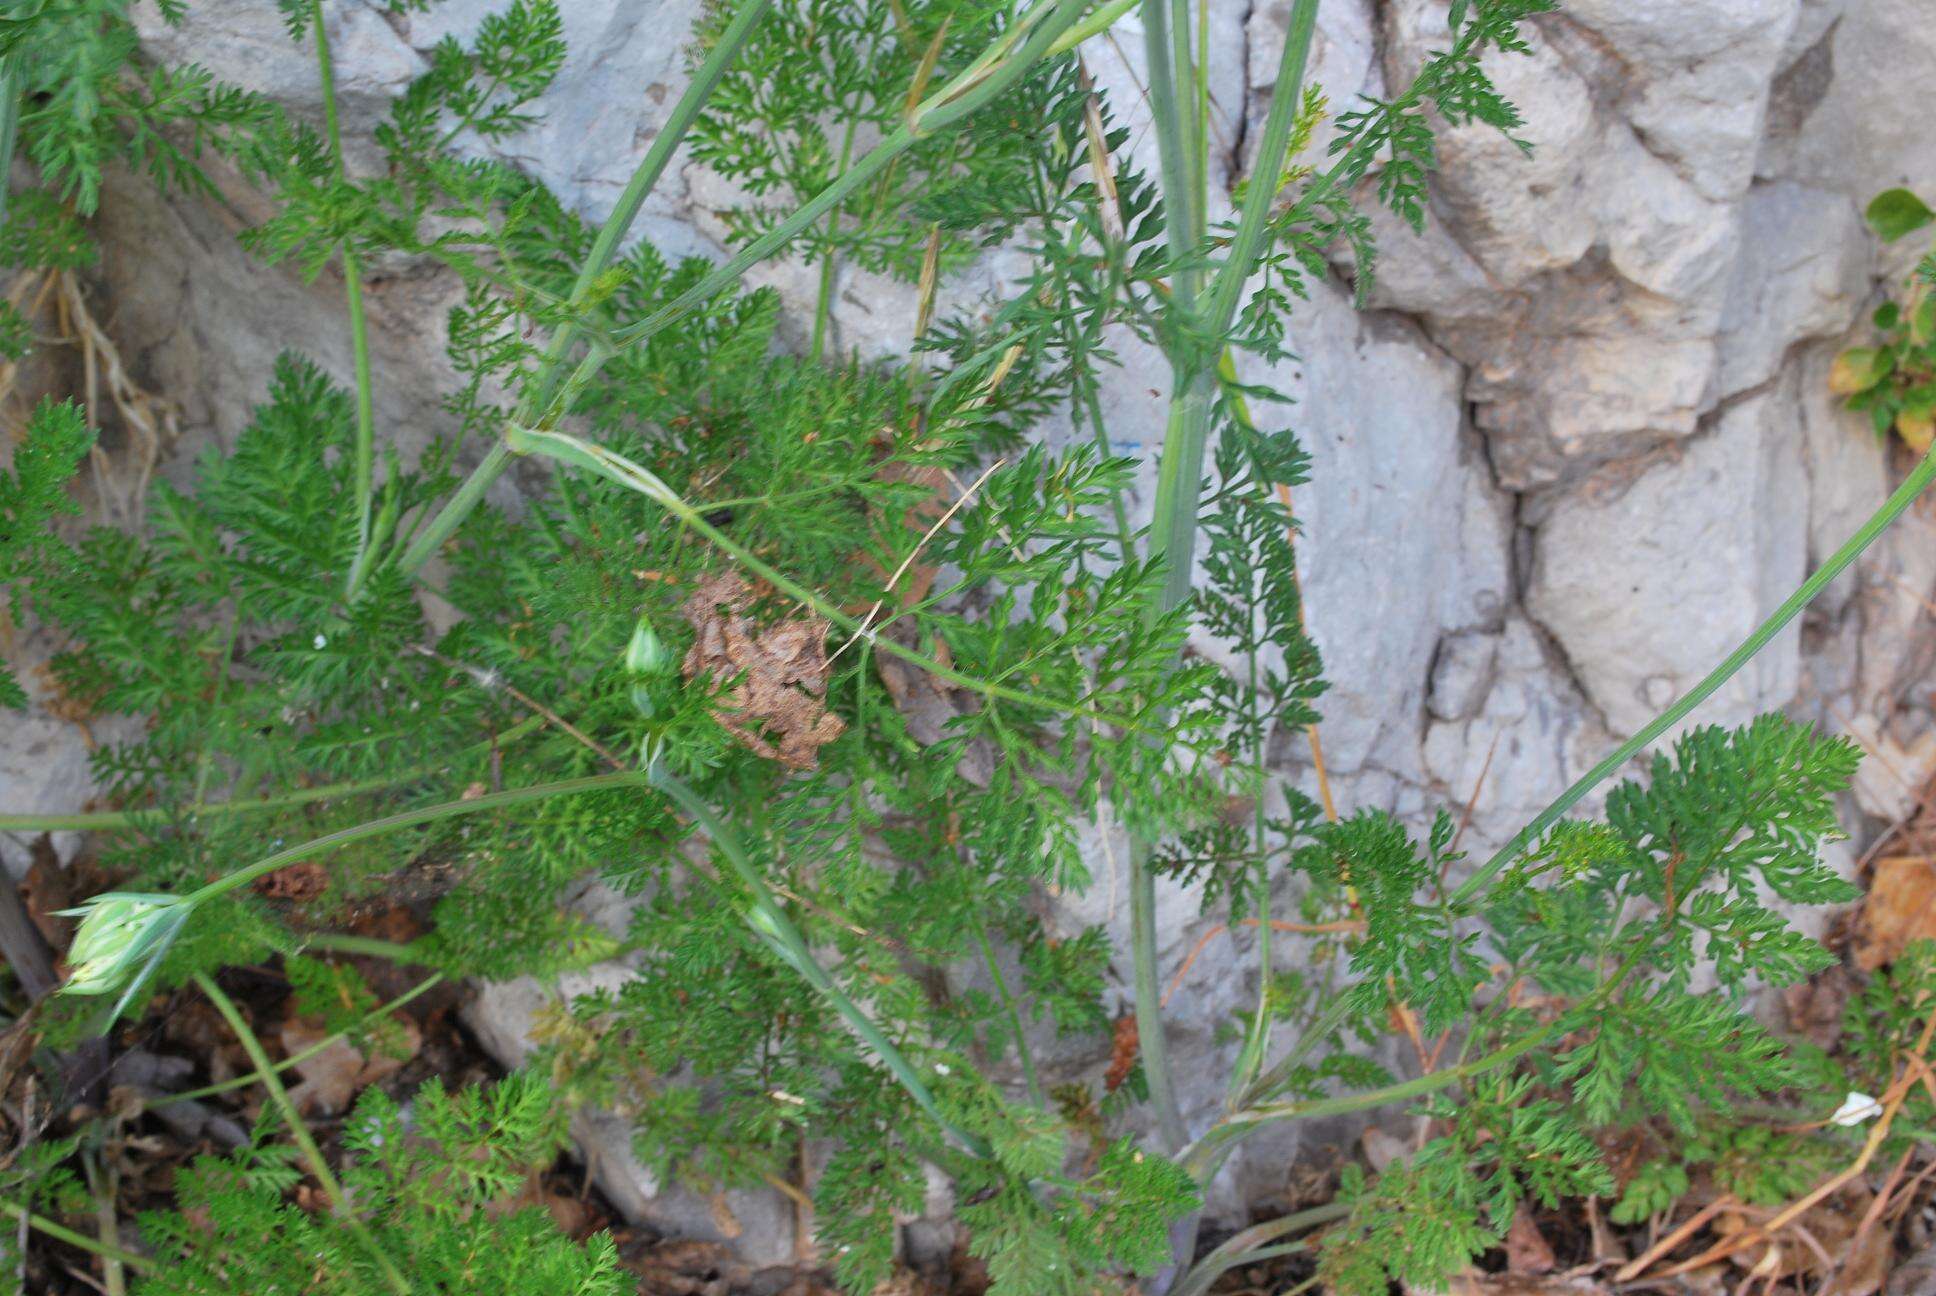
pixel 1855 1109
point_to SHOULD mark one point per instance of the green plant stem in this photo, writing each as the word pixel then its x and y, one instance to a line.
pixel 366 946
pixel 365 464
pixel 1149 998
pixel 1914 485
pixel 771 923
pixel 1327 1021
pixel 296 1059
pixel 101 1185
pixel 604 250
pixel 409 819
pixel 705 79
pixel 365 419
pixel 9 126
pixel 1279 124
pixel 1173 154
pixel 299 1131
pixel 1172 534
pixel 1099 21
pixel 823 302
pixel 61 1233
pixel 1254 1244
pixel 1180 470
pixel 102 820
pixel 1187 74
pixel 1213 1145
pixel 1022 1051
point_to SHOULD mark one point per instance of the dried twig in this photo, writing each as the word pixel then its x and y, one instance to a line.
pixel 1914 1070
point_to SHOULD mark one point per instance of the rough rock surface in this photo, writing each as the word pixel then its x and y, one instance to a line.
pixel 1577 448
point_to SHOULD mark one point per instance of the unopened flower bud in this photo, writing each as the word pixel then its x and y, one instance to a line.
pixel 647 654
pixel 122 933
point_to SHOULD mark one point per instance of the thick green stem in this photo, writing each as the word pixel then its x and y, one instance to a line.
pixel 1279 124
pixel 1192 339
pixel 1914 485
pixel 1172 151
pixel 1192 85
pixel 1149 999
pixel 604 251
pixel 425 544
pixel 1179 483
pixel 300 1131
pixel 771 923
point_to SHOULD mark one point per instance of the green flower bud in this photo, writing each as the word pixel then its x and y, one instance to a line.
pixel 647 653
pixel 122 937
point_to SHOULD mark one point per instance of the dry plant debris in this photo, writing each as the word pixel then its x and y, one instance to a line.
pixel 776 704
pixel 1901 909
pixel 334 1075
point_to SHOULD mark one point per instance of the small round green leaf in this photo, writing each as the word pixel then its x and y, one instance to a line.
pixel 1896 212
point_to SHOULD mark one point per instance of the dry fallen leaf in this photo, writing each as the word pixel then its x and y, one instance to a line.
pixel 777 706
pixel 1815 1006
pixel 686 1267
pixel 1915 1276
pixel 1901 908
pixel 333 1077
pixel 1829 1225
pixel 571 1216
pixel 1864 1264
pixel 1527 1250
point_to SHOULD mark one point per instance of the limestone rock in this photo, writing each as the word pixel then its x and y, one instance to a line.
pixel 1646 583
pixel 1577 450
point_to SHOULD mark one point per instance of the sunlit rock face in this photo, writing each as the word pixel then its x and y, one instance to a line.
pixel 1578 446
